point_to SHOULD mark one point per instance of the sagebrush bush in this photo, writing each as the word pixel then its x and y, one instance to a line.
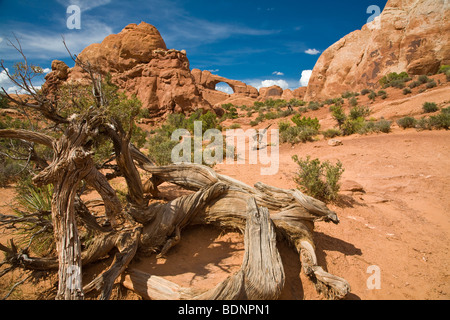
pixel 429 107
pixel 318 179
pixel 338 114
pixel 306 122
pixel 406 91
pixel 294 134
pixel 431 84
pixel 394 79
pixel 382 126
pixel 365 91
pixel 406 122
pixel 331 133
pixel 351 126
pixel 359 111
pixel 440 121
pixel 423 79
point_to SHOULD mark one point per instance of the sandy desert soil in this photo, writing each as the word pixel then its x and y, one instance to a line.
pixel 400 223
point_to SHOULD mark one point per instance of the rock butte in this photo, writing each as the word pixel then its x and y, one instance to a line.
pixel 411 36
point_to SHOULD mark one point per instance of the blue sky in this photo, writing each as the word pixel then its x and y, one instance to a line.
pixel 258 42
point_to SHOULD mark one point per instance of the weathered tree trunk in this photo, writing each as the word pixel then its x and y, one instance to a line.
pixel 292 212
pixel 261 275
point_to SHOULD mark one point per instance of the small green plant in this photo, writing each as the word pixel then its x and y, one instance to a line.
pixel 353 102
pixel 441 121
pixel 431 84
pixel 313 105
pixel 406 122
pixel 429 107
pixel 365 91
pixel 35 201
pixel 338 114
pixel 331 133
pixel 254 123
pixel 235 126
pixel 306 122
pixel 394 79
pixel 271 115
pixel 318 179
pixel 349 94
pixel 359 111
pixel 444 68
pixel 351 126
pixel 423 79
pixel 406 91
pixel 372 95
pixel 382 126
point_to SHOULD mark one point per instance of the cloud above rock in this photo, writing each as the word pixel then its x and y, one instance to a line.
pixel 304 80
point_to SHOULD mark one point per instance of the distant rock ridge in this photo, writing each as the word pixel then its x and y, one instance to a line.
pixel 140 63
pixel 409 35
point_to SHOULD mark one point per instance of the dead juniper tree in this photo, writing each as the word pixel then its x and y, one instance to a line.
pixel 82 122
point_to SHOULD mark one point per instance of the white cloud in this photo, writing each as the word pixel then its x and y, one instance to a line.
pixel 268 83
pixel 10 87
pixel 213 70
pixel 224 88
pixel 46 70
pixel 312 52
pixel 43 44
pixel 278 73
pixel 304 80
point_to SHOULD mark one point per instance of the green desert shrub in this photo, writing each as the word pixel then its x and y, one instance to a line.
pixel 313 105
pixel 382 126
pixel 353 101
pixel 440 121
pixel 331 133
pixel 304 130
pixel 294 134
pixel 352 126
pixel 365 91
pixel 406 91
pixel 34 201
pixel 444 68
pixel 338 114
pixel 429 107
pixel 414 84
pixel 372 95
pixel 423 79
pixel 359 111
pixel 254 123
pixel 306 122
pixel 406 122
pixel 394 79
pixel 318 179
pixel 431 84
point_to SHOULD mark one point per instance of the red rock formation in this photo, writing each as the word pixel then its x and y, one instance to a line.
pixel 273 92
pixel 411 36
pixel 139 63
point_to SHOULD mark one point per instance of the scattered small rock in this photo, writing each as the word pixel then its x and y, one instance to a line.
pixel 353 186
pixel 335 142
